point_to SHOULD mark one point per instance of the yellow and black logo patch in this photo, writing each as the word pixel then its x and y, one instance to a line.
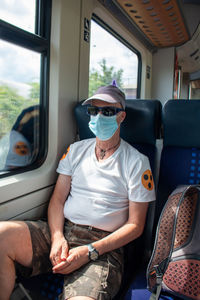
pixel 147 180
pixel 65 154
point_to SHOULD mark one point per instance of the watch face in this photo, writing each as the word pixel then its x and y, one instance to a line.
pixel 94 255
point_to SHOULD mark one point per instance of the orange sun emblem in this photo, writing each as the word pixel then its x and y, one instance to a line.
pixel 147 180
pixel 64 155
pixel 21 148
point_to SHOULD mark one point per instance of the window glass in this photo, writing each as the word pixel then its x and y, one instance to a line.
pixel 194 89
pixel 19 105
pixel 24 81
pixel 20 13
pixel 111 59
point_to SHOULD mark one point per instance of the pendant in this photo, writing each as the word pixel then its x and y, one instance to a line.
pixel 102 154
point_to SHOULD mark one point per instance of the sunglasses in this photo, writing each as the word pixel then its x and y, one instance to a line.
pixel 107 111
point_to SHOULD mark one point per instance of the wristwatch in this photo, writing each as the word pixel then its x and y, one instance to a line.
pixel 93 254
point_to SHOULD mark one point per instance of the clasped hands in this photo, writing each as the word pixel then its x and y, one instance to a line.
pixel 65 260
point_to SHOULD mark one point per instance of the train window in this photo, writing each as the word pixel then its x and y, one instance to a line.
pixel 112 58
pixel 24 72
pixel 20 13
pixel 194 89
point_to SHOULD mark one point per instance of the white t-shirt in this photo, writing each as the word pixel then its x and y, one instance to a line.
pixel 100 191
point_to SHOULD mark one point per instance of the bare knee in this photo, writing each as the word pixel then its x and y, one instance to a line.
pixel 5 232
pixel 15 241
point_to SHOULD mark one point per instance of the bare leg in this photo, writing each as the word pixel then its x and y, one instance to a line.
pixel 15 245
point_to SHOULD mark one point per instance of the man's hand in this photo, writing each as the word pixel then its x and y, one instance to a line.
pixel 59 250
pixel 77 257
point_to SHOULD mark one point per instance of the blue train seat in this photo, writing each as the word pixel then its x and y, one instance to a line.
pixel 180 158
pixel 141 126
pixel 138 290
pixel 179 165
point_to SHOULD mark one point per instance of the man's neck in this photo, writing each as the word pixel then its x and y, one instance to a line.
pixel 104 149
pixel 109 143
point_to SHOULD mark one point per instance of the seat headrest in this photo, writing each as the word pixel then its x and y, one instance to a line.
pixel 82 120
pixel 142 122
pixel 181 123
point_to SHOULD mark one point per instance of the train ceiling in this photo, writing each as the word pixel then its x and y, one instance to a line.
pixel 160 24
pixel 160 20
pixel 157 23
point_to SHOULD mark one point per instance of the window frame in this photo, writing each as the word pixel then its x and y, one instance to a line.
pixel 110 30
pixel 38 42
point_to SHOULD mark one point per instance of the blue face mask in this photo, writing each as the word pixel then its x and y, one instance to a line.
pixel 103 127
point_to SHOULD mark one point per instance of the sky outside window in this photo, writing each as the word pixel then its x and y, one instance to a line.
pixel 20 13
pixel 104 47
pixel 18 67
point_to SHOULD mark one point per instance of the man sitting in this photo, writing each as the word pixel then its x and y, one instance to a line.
pixel 99 204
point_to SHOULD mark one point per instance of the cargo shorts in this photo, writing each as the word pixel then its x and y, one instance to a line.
pixel 99 280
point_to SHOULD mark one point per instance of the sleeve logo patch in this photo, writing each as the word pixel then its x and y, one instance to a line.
pixel 64 155
pixel 147 180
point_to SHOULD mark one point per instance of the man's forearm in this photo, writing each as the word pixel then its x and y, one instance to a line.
pixel 56 206
pixel 131 230
pixel 118 238
pixel 55 219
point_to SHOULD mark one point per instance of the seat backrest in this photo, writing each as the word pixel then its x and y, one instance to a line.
pixel 140 128
pixel 180 158
pixel 82 120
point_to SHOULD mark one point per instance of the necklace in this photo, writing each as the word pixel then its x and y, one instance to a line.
pixel 103 151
